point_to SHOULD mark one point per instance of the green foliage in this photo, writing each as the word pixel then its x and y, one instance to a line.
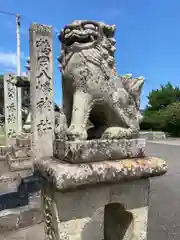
pixel 171 119
pixel 161 98
pixel 163 110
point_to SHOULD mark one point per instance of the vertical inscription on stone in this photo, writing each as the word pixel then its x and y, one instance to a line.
pixel 41 82
pixel 10 106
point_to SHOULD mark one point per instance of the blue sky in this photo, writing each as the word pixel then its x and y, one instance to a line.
pixel 148 35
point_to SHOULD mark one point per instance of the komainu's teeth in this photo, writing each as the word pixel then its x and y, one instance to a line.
pixel 92 38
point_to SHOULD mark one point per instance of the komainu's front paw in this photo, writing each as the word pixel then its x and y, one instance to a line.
pixel 76 133
pixel 117 133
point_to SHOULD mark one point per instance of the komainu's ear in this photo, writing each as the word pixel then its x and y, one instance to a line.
pixel 127 81
pixel 137 85
pixel 109 30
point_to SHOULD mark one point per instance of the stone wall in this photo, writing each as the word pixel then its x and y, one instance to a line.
pixel 4 150
pixel 20 201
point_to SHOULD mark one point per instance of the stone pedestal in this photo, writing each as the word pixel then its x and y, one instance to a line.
pixel 99 150
pixel 100 200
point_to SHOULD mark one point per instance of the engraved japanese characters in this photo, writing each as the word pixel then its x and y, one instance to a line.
pixel 10 106
pixel 41 84
pixel 91 87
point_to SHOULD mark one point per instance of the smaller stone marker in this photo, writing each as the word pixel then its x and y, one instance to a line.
pixel 41 90
pixel 10 106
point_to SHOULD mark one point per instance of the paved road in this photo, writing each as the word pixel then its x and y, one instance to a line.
pixel 164 211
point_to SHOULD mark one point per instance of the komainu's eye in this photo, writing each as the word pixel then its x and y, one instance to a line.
pixel 67 30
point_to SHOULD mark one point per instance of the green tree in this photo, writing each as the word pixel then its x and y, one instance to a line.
pixel 160 107
pixel 161 98
pixel 171 119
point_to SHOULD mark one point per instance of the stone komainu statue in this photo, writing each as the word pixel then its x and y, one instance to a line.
pixel 91 87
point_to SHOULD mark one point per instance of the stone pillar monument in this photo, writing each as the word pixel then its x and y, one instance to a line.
pixel 27 124
pixel 10 107
pixel 96 185
pixel 41 89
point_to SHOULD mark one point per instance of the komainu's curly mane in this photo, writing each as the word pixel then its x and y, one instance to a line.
pixel 102 50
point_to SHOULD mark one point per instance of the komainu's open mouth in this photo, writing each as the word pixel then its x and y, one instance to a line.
pixel 80 34
pixel 81 39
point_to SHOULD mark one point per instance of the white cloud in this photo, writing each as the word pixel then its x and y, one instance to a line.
pixel 8 59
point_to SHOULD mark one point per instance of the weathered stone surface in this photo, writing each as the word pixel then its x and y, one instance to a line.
pixel 117 211
pixel 19 163
pixel 41 84
pixel 91 86
pixel 14 219
pixel 20 156
pixel 65 176
pixel 10 181
pixel 22 153
pixel 24 140
pixel 99 150
pixel 4 150
pixel 20 200
pixel 9 185
pixel 29 233
pixel 10 103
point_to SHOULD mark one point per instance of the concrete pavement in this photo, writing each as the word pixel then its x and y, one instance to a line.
pixel 168 141
pixel 164 210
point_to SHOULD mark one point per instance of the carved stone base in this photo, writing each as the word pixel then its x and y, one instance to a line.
pixel 99 150
pixel 20 156
pixel 118 211
pixel 94 201
pixel 77 206
pixel 19 163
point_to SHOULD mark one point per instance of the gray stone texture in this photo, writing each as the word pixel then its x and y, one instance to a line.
pixel 20 218
pixel 99 150
pixel 91 86
pixel 20 156
pixel 97 212
pixel 68 176
pixel 4 150
pixel 26 233
pixel 41 84
pixel 20 200
pixel 10 106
